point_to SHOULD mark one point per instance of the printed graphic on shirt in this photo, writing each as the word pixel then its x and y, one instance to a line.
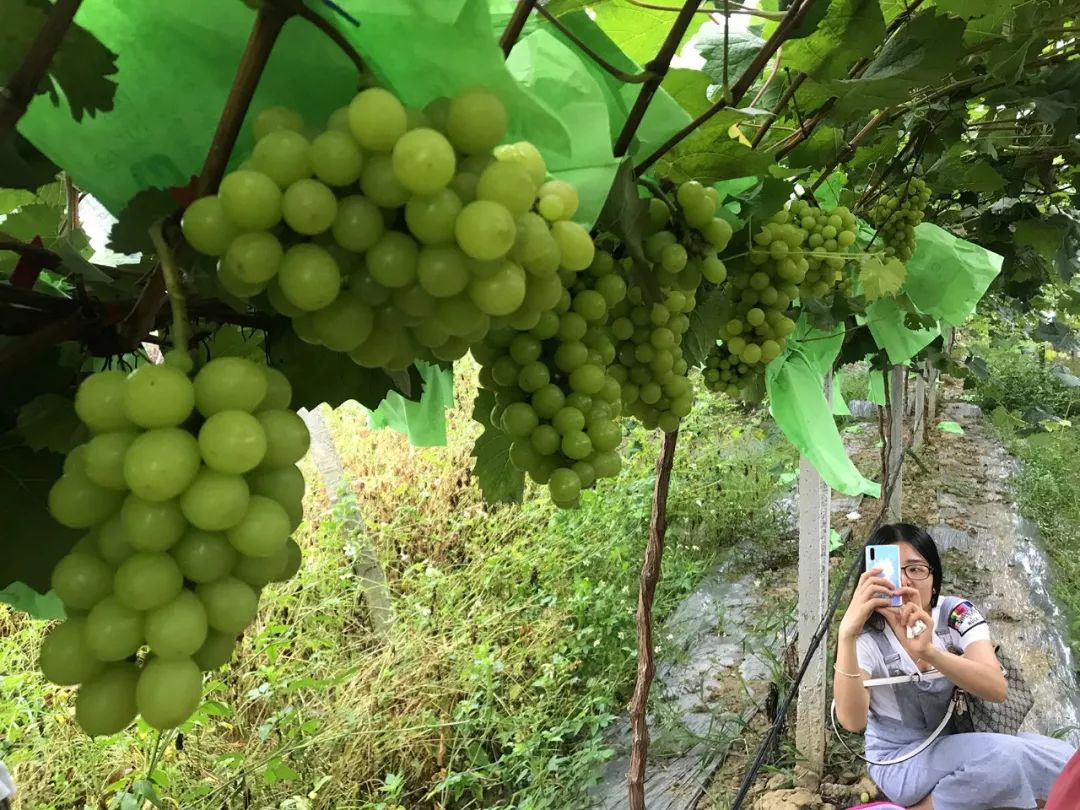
pixel 964 617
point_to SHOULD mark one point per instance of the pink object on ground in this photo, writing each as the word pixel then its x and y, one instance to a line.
pixel 878 805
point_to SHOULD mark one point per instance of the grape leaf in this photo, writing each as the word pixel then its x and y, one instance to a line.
pixel 822 147
pixel 48 422
pixel 625 215
pixel 80 69
pixel 30 540
pixel 22 597
pixel 711 154
pixel 22 165
pixel 1046 237
pixel 131 233
pixel 319 375
pixel 743 46
pixel 638 31
pixel 880 280
pixel 849 31
pixel 712 311
pixel 499 480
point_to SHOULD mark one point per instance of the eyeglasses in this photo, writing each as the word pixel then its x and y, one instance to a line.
pixel 916 571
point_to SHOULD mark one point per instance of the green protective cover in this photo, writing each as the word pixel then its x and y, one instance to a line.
pixel 886 322
pixel 839 406
pixel 38 606
pixel 176 63
pixel 423 421
pixel 796 384
pixel 875 389
pixel 947 276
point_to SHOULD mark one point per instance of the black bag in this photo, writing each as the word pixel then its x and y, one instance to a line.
pixel 976 714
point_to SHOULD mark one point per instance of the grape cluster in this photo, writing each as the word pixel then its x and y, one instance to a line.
pixel 896 216
pixel 189 491
pixel 554 394
pixel 830 236
pixel 649 361
pixel 395 233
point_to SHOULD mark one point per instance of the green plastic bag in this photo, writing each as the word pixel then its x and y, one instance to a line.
pixel 795 382
pixel 423 421
pixel 947 276
pixel 886 322
pixel 839 406
pixel 875 389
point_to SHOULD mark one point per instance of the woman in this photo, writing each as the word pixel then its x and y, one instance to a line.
pixel 957 771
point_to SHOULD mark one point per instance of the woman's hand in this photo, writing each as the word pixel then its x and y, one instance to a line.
pixel 907 616
pixel 866 601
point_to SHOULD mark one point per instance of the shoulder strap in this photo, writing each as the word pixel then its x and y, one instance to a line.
pixel 910 755
pixel 945 607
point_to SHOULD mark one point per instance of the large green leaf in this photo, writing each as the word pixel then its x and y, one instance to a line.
pixel 22 597
pixel 711 312
pixel 711 154
pixel 850 31
pixel 49 422
pixel 499 480
pixel 1044 236
pixel 742 47
pixel 638 31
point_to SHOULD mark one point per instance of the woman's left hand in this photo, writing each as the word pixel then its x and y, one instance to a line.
pixel 907 615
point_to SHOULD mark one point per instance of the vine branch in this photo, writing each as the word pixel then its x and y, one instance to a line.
pixel 304 12
pixel 173 285
pixel 515 26
pixel 18 92
pixel 646 669
pixel 658 67
pixel 730 8
pixel 621 75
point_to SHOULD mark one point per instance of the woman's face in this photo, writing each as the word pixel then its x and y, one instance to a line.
pixel 911 562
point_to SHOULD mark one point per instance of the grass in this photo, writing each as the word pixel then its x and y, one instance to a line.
pixel 513 646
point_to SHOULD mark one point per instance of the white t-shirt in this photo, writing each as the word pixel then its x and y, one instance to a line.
pixel 966 625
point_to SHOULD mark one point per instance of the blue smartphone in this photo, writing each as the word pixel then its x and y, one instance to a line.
pixel 887 558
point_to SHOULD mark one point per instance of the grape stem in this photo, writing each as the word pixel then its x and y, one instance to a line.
pixel 174 286
pixel 515 25
pixel 17 93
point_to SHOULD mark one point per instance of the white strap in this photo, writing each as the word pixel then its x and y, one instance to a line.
pixel 925 744
pixel 929 675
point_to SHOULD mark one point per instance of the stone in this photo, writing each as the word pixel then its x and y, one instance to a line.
pixel 793 799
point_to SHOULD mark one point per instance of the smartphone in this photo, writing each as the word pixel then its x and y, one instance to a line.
pixel 887 558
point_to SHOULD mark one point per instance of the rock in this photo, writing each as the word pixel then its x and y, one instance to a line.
pixel 794 799
pixel 777 781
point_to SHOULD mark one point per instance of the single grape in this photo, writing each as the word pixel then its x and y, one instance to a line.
pixel 105 704
pixel 294 558
pixel 178 628
pixel 431 217
pixel 206 228
pixel 475 121
pixel 161 463
pixel 507 184
pixel 78 503
pixel 336 158
pixel 204 556
pixel 216 651
pixel 309 207
pixel 392 260
pixel 147 579
pixel 112 543
pixel 65 658
pixel 275 119
pixel 377 119
pixel 151 525
pixel 358 224
pixel 229 383
pixel 423 161
pixel 253 258
pixel 113 630
pixel 158 396
pixel 283 157
pixel 344 324
pixel 232 442
pixel 500 293
pixel 168 691
pixel 230 604
pixel 263 529
pixel 251 200
pixel 379 183
pixel 442 271
pixel 485 230
pixel 278 390
pixel 215 501
pixel 103 462
pixel 575 245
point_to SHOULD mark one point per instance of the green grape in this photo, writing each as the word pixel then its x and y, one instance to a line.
pixel 612 288
pixel 232 442
pixel 259 571
pixel 571 355
pixel 216 651
pixel 275 119
pixel 252 258
pixel 576 445
pixel 344 324
pixel 568 420
pixel 250 200
pixel 519 420
pixel 309 277
pixel 575 245
pixel 78 503
pixel 507 184
pixel 500 293
pixel 590 305
pixel 65 658
pixel 485 230
pixel 392 260
pixel 168 691
pixel 283 157
pixel 81 580
pixel 604 434
pixel 423 161
pixel 215 501
pixel 158 396
pixel 204 556
pixel 430 218
pixel 358 224
pixel 533 376
pixel 294 558
pixel 206 228
pixel 379 183
pixel 587 379
pixel 227 384
pixel 161 463
pixel 606 464
pixel 564 193
pixel 263 530
pixel 147 579
pixel 230 285
pixel 278 390
pixel 287 438
pixel 105 704
pixel 336 158
pixel 279 302
pixel 545 440
pixel 442 271
pixel 527 155
pixel 103 458
pixel 112 543
pixel 309 207
pixel 564 485
pixel 114 631
pixel 99 402
pixel 377 119
pixel 230 604
pixel 547 401
pixel 413 303
pixel 458 315
pixel 376 351
pixel 178 628
pixel 475 121
pixel 151 525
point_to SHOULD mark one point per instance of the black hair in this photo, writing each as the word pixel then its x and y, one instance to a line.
pixel 889 535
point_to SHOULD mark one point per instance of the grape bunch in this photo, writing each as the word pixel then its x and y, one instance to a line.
pixel 396 233
pixel 896 217
pixel 649 361
pixel 830 235
pixel 188 490
pixel 554 393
